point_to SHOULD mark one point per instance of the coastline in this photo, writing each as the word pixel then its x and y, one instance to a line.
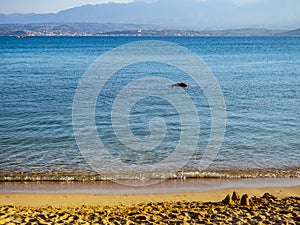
pixel 133 187
pixel 72 200
pixel 109 193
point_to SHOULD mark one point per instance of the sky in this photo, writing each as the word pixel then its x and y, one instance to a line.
pixel 47 6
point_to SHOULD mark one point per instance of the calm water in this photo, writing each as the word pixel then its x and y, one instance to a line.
pixel 259 78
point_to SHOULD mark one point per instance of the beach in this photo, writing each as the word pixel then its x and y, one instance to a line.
pixel 235 205
pixel 144 151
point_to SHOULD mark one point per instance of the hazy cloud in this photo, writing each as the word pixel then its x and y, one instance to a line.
pixel 42 6
pixel 243 2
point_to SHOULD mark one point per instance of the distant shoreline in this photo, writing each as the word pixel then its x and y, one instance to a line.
pixel 174 36
pixel 135 30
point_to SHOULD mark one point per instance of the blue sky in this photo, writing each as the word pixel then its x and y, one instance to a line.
pixel 46 6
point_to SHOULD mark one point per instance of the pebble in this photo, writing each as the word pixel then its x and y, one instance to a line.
pixel 227 200
pixel 245 200
pixel 235 197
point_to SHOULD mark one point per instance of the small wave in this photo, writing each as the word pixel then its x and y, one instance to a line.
pixel 253 173
pixel 212 174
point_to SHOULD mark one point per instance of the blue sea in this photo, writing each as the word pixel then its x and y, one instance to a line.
pixel 259 78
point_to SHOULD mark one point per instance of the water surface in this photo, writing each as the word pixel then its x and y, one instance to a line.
pixel 259 77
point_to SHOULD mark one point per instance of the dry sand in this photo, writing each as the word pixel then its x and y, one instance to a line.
pixel 277 207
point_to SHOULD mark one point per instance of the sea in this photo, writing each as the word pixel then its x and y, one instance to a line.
pixel 258 78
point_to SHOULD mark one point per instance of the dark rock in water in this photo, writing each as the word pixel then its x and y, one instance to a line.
pixel 245 200
pixel 184 85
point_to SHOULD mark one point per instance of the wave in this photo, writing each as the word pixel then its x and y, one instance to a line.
pixel 209 174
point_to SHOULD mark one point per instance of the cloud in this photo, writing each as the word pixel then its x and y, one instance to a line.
pixel 243 2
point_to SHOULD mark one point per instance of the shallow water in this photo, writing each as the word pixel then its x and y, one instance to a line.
pixel 259 78
pixel 143 187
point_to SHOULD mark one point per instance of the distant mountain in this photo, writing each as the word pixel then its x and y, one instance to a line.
pixel 202 14
pixel 290 33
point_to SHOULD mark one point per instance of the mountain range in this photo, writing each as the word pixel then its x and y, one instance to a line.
pixel 177 14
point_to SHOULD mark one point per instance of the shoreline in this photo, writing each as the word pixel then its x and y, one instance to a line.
pixel 72 200
pixel 110 193
pixel 144 187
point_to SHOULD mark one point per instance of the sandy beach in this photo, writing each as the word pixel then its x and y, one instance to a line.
pixel 239 206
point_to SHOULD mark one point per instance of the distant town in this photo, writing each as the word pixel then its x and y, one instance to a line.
pixel 115 29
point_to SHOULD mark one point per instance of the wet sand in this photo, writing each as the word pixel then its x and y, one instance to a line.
pixel 143 187
pixel 249 206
